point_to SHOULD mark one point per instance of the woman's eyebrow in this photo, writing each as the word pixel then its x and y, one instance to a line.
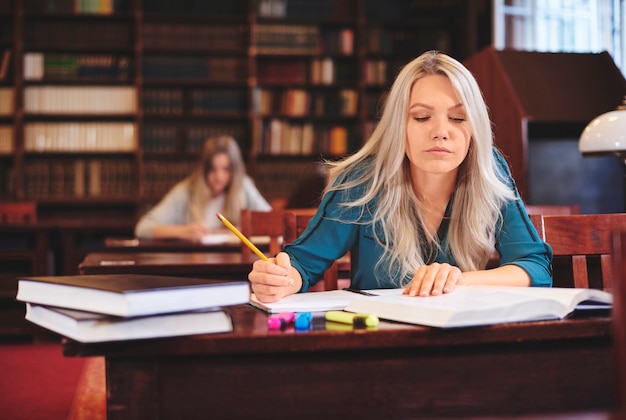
pixel 421 105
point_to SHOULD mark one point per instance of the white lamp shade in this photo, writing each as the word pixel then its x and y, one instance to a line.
pixel 605 134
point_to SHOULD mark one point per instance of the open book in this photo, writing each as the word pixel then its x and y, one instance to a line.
pixel 307 302
pixel 473 306
pixel 466 306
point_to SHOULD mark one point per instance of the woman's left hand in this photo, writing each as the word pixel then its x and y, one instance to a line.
pixel 434 279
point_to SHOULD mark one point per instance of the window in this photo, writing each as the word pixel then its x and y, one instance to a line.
pixel 561 26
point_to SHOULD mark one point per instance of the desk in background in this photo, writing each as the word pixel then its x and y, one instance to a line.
pixel 399 371
pixel 44 248
pixel 134 245
pixel 214 265
pixel 176 245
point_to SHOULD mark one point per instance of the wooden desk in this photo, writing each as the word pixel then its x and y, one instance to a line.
pixel 223 265
pixel 399 371
pixel 134 245
pixel 168 245
pixel 79 237
pixel 24 251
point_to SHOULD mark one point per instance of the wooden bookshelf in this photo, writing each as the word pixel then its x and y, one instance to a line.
pixel 105 109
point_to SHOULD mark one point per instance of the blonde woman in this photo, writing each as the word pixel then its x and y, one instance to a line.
pixel 422 204
pixel 218 184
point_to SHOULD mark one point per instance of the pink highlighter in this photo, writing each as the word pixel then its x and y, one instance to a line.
pixel 281 320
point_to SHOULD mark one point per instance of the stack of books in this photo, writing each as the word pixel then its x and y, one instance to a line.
pixel 115 307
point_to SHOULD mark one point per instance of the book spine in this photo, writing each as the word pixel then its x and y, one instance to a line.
pixel 80 137
pixel 113 100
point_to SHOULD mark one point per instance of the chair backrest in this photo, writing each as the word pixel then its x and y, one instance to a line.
pixel 262 223
pixel 18 212
pixel 619 317
pixel 582 237
pixel 295 222
pixel 552 209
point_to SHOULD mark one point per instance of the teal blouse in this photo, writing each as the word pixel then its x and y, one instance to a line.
pixel 335 229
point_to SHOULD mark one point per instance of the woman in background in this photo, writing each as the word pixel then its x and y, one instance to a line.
pixel 219 183
pixel 422 204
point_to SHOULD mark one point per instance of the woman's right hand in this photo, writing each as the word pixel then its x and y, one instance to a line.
pixel 274 279
pixel 194 232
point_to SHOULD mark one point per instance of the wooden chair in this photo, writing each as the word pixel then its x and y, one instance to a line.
pixel 584 238
pixel 262 223
pixel 619 317
pixel 18 212
pixel 552 209
pixel 295 222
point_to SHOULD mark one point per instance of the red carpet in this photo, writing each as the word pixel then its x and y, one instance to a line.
pixel 38 382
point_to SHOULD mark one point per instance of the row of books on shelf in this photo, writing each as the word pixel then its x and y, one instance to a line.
pixel 5 60
pixel 281 137
pixel 274 39
pixel 7 95
pixel 74 34
pixel 206 101
pixel 205 8
pixel 7 184
pixel 97 177
pixel 196 101
pixel 301 102
pixel 117 307
pixel 195 36
pixel 79 178
pixel 87 100
pixel 195 67
pixel 398 10
pixel 321 9
pixel 286 39
pixel 314 70
pixel 103 7
pixel 375 72
pixel 269 175
pixel 52 66
pixel 406 40
pixel 6 139
pixel 158 177
pixel 80 137
pixel 160 138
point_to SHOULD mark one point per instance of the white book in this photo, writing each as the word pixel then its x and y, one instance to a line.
pixel 130 295
pixel 474 306
pixel 88 327
pixel 307 302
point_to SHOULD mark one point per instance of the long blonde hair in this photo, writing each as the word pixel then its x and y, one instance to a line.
pixel 480 188
pixel 199 191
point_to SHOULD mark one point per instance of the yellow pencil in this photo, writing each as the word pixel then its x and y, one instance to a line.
pixel 242 237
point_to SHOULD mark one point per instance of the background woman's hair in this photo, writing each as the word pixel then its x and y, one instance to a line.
pixel 199 190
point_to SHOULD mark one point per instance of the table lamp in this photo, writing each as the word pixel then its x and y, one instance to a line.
pixel 606 135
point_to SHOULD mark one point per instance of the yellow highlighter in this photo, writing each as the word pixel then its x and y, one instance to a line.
pixel 241 236
pixel 356 320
